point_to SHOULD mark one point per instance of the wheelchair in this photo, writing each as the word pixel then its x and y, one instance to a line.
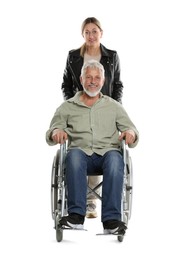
pixel 59 205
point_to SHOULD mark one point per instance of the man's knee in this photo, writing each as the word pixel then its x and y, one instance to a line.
pixel 114 160
pixel 75 157
pixel 113 157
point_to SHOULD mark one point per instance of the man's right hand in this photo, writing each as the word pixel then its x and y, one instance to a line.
pixel 59 136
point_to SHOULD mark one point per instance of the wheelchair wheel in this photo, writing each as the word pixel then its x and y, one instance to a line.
pixel 54 184
pixel 129 186
pixel 120 238
pixel 59 232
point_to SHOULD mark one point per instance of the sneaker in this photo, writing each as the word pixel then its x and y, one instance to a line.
pixel 73 220
pixel 114 227
pixel 91 210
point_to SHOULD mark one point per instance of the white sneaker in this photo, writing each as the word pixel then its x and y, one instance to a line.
pixel 91 210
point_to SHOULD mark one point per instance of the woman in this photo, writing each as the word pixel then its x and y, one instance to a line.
pixel 92 49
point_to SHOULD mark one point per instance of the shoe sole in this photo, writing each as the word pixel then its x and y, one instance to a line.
pixel 91 215
pixel 116 231
pixel 73 226
pixel 65 224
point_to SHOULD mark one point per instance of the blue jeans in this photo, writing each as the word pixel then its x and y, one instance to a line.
pixel 79 165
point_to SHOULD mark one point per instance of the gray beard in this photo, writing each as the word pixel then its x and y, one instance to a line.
pixel 92 94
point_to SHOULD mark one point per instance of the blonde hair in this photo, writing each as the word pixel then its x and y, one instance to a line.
pixel 85 22
pixel 91 20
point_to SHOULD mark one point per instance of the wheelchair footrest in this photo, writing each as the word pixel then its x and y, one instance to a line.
pixel 69 228
pixel 75 229
pixel 109 234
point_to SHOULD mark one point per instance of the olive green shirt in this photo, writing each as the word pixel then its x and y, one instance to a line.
pixel 92 129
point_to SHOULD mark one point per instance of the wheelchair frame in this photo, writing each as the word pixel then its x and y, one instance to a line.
pixel 59 193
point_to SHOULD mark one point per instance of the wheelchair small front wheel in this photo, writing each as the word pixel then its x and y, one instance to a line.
pixel 59 232
pixel 59 235
pixel 120 238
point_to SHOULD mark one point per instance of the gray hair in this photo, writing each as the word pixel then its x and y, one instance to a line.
pixel 92 64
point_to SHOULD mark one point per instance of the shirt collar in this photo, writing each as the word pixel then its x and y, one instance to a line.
pixel 76 98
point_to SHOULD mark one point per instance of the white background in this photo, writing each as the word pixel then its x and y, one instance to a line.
pixel 151 40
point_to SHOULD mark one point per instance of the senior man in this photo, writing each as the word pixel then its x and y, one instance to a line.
pixel 94 125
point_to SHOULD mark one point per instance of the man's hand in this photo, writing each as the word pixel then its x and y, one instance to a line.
pixel 129 136
pixel 59 136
